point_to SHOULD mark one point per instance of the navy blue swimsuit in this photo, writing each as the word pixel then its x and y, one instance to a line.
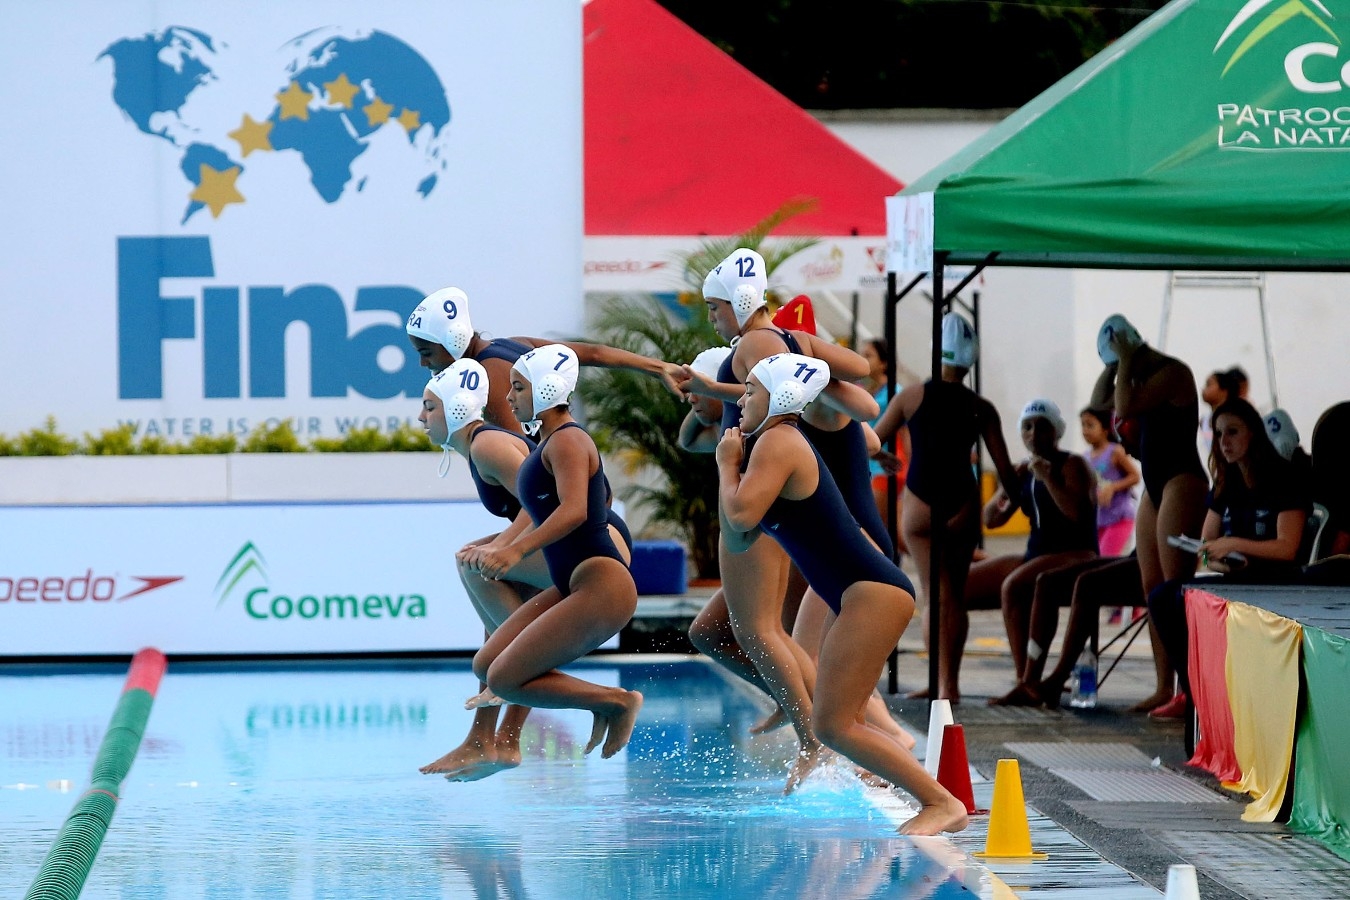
pixel 496 499
pixel 952 411
pixel 1051 530
pixel 539 493
pixel 845 455
pixel 726 374
pixel 821 537
pixel 503 348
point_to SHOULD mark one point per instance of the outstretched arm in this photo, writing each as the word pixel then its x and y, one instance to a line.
pixel 998 452
pixel 850 399
pixel 845 364
pixel 606 357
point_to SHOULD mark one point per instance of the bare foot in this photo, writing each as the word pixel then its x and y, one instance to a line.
pixel 468 754
pixel 599 724
pixel 1153 701
pixel 484 698
pixel 774 720
pixel 808 760
pixel 952 697
pixel 621 725
pixel 1050 692
pixel 1018 696
pixel 949 815
pixel 481 770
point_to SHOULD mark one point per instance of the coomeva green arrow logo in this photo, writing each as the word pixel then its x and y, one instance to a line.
pixel 248 559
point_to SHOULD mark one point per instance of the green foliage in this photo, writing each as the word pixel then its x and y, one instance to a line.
pixel 156 445
pixel 372 440
pixel 119 441
pixel 280 438
pixel 211 443
pixel 633 415
pixel 407 439
pixel 45 441
pixel 8 447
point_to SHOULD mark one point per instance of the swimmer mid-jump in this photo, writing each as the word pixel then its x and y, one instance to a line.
pixel 774 482
pixel 593 595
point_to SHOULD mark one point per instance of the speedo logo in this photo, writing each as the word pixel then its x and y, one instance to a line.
pixel 241 576
pixel 79 588
pixel 1295 60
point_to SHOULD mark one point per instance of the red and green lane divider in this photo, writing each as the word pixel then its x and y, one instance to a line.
pixel 72 854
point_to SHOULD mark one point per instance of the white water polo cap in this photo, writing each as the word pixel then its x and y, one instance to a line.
pixel 1041 408
pixel 960 343
pixel 742 280
pixel 443 318
pixel 463 389
pixel 1282 432
pixel 791 380
pixel 1115 325
pixel 552 373
pixel 709 362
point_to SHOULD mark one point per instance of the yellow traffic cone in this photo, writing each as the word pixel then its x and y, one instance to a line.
pixel 1009 834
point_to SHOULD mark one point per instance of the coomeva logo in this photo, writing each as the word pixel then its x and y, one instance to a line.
pixel 77 588
pixel 1289 53
pixel 261 602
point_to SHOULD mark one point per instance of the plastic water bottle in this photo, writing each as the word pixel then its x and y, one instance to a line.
pixel 1084 694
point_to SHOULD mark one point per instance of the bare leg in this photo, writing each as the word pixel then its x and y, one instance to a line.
pixel 1148 549
pixel 712 636
pixel 1099 581
pixel 1044 620
pixel 869 626
pixel 756 619
pixel 479 746
pixel 521 659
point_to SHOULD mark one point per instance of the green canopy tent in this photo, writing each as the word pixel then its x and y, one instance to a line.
pixel 1214 135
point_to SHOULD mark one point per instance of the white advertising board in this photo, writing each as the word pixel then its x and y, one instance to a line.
pixel 237 579
pixel 222 213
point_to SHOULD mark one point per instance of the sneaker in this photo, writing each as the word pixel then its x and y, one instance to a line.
pixel 1172 709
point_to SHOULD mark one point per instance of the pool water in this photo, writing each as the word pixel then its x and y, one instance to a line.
pixel 303 782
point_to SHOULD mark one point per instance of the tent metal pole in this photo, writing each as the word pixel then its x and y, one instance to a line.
pixel 1265 336
pixel 938 513
pixel 853 327
pixel 891 329
pixel 1166 312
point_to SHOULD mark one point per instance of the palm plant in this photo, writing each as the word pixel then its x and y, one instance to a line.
pixel 634 417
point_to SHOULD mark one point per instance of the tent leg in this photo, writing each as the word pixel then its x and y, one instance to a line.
pixel 1265 337
pixel 938 513
pixel 1166 312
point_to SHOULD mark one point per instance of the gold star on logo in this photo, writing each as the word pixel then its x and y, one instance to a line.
pixel 294 102
pixel 341 91
pixel 410 120
pixel 217 189
pixel 377 112
pixel 251 135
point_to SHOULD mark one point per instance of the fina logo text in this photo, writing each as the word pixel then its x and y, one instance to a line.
pixel 260 602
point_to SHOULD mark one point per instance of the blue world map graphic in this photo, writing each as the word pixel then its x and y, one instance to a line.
pixel 335 92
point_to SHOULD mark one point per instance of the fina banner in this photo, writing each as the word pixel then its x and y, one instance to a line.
pixel 222 213
pixel 238 579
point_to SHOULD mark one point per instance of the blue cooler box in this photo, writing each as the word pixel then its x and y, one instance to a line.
pixel 659 567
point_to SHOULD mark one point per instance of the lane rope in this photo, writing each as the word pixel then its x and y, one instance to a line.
pixel 63 872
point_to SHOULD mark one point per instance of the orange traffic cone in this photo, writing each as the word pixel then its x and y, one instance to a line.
pixel 1009 834
pixel 954 769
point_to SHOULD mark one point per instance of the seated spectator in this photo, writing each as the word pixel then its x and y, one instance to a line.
pixel 1059 498
pixel 1258 507
pixel 1331 477
pixel 1086 587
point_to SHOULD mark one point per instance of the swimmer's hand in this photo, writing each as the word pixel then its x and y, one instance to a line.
pixel 673 376
pixel 1040 468
pixel 495 562
pixel 695 382
pixel 731 448
pixel 889 461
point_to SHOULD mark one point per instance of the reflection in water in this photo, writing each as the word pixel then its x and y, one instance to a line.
pixel 304 784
